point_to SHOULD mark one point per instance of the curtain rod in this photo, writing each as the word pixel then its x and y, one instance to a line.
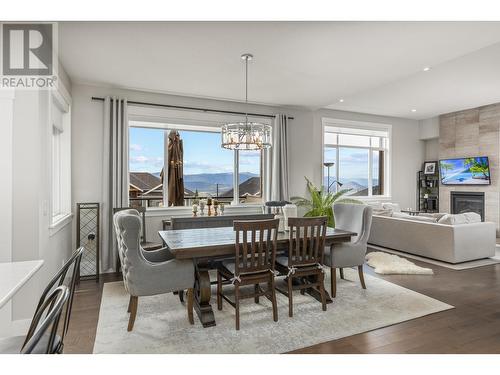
pixel 194 108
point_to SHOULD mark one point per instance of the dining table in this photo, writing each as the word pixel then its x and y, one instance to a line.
pixel 206 247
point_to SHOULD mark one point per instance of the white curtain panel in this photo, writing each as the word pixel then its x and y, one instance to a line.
pixel 279 160
pixel 115 174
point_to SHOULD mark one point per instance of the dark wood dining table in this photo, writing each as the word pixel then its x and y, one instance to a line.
pixel 207 246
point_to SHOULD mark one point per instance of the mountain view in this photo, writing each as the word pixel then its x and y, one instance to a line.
pixel 207 182
pixel 355 185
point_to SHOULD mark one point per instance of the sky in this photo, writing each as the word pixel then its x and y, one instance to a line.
pixel 202 153
pixel 353 163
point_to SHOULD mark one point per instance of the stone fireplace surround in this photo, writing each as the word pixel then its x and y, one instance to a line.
pixel 473 132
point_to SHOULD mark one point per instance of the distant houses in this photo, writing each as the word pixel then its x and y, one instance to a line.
pixel 250 190
pixel 146 189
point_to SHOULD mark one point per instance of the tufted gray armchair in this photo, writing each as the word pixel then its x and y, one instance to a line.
pixel 147 273
pixel 355 218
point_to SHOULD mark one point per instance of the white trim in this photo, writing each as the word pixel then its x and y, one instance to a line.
pixel 140 117
pixel 61 98
pixel 332 122
pixel 173 116
pixel 59 222
pixel 328 121
pixel 236 178
pixel 62 101
pixel 150 190
pixel 135 187
pixel 166 163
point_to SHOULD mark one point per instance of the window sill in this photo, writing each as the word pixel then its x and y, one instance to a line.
pixel 59 223
pixel 228 209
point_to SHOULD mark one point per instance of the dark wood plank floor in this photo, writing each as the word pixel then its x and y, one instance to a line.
pixel 472 327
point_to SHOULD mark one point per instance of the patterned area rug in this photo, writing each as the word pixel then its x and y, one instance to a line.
pixel 162 326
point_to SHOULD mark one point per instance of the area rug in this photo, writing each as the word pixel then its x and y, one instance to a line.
pixel 459 266
pixel 162 326
pixel 390 264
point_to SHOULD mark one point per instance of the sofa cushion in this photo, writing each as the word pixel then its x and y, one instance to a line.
pixel 394 207
pixel 402 215
pixel 465 218
pixel 436 216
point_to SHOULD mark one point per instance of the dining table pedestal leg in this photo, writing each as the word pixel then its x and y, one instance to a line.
pixel 202 295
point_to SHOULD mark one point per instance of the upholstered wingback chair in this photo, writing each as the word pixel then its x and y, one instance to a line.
pixel 355 218
pixel 147 273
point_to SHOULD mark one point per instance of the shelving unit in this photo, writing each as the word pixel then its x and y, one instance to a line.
pixel 427 192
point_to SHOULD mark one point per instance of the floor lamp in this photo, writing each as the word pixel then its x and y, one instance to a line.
pixel 329 185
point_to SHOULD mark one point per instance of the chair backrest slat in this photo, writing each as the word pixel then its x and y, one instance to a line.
pixel 306 240
pixel 262 250
pixel 255 249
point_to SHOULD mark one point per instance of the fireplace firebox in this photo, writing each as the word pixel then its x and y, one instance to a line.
pixel 462 201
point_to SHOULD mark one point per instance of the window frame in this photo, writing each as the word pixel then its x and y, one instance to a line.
pixel 165 119
pixel 60 161
pixel 361 126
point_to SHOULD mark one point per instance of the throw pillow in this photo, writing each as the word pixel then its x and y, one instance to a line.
pixel 391 206
pixel 472 217
pixel 465 218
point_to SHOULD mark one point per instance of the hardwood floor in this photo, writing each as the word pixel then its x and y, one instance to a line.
pixel 472 327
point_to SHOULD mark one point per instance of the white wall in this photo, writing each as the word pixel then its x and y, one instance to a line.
pixel 306 150
pixel 31 236
pixel 6 119
pixel 305 142
pixel 431 149
pixel 429 128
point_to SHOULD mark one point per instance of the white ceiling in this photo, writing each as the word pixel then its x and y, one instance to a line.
pixel 376 67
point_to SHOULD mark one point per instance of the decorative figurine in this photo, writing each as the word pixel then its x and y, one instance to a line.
pixel 209 205
pixel 195 210
pixel 202 207
pixel 216 206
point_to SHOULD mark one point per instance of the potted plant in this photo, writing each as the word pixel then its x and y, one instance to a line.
pixel 321 202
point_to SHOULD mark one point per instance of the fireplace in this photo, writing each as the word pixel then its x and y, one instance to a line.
pixel 462 201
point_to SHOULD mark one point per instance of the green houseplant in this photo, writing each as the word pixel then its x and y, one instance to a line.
pixel 321 202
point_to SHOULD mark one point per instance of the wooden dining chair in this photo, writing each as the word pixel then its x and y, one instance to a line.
pixel 255 255
pixel 305 257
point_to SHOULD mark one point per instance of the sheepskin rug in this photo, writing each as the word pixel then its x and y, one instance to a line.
pixel 389 264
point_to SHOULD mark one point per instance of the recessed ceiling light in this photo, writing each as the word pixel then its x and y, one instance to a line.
pixel 414 110
pixel 427 68
pixel 341 100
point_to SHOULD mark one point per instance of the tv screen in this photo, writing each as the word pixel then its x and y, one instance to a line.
pixel 465 171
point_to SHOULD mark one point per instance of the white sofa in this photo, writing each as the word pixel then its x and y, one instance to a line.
pixel 449 243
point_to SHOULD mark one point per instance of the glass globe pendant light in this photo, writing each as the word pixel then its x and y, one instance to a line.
pixel 247 135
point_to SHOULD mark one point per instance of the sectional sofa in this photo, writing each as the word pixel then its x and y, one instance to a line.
pixel 448 238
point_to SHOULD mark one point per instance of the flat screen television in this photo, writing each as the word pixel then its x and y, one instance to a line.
pixel 465 171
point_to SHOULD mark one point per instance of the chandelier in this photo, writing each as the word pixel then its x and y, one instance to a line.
pixel 247 135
